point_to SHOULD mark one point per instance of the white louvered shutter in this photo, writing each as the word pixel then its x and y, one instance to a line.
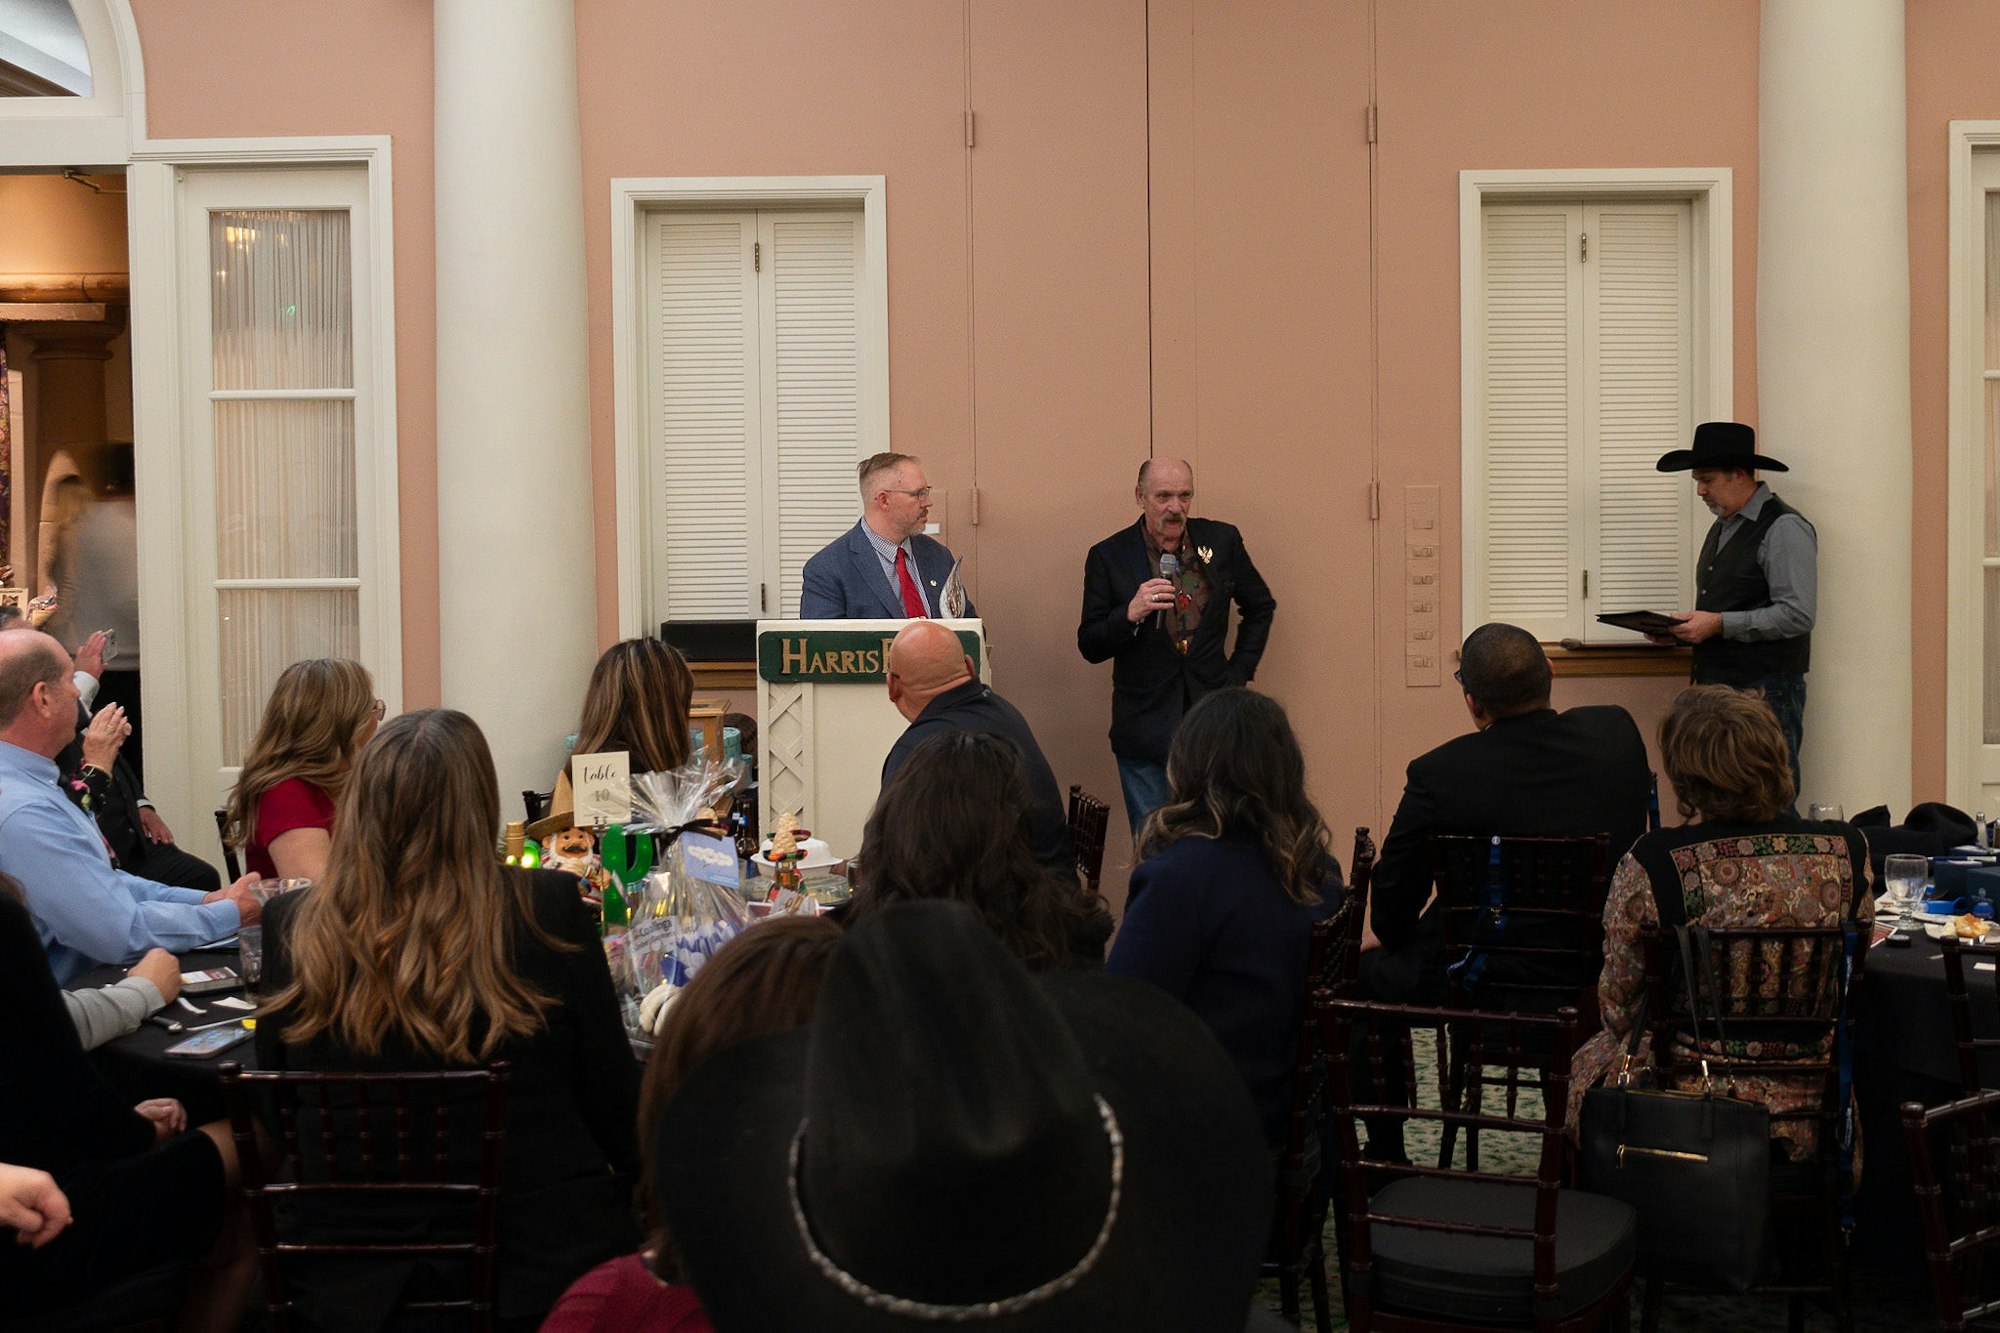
pixel 1639 403
pixel 811 348
pixel 1586 343
pixel 704 401
pixel 1530 490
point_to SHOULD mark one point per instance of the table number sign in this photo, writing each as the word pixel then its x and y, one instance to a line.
pixel 603 787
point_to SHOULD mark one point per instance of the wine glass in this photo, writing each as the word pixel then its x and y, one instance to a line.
pixel 1826 813
pixel 1904 877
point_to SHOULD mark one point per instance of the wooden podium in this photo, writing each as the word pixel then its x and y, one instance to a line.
pixel 825 723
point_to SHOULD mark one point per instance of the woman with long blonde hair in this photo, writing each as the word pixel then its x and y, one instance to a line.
pixel 281 812
pixel 637 701
pixel 419 950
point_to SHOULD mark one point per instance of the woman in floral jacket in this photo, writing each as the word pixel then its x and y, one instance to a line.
pixel 1746 862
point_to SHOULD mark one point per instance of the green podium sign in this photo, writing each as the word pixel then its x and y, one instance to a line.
pixel 834 657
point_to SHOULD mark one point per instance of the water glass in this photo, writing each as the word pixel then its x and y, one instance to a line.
pixel 1826 813
pixel 1904 877
pixel 250 954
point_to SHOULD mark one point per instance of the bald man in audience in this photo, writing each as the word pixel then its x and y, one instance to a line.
pixel 86 911
pixel 937 688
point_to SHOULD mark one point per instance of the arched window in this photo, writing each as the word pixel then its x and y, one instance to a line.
pixel 72 86
pixel 42 50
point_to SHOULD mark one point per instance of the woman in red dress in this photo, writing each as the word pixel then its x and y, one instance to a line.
pixel 321 712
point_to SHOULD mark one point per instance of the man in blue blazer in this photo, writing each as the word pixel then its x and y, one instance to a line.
pixel 884 568
pixel 1166 636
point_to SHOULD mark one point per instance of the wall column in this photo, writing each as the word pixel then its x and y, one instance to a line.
pixel 1833 370
pixel 517 571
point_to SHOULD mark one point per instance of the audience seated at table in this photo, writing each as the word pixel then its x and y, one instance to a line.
pixel 85 910
pixel 637 701
pixel 1746 861
pixel 765 980
pixel 94 773
pixel 418 950
pixel 953 1141
pixel 281 811
pixel 1233 871
pixel 105 1013
pixel 957 821
pixel 141 1189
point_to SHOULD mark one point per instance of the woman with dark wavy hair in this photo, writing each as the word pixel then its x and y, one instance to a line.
pixel 957 822
pixel 637 701
pixel 1234 870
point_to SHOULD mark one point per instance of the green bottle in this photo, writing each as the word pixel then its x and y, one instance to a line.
pixel 612 851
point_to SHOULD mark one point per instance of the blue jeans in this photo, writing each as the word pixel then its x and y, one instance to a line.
pixel 1145 786
pixel 1787 697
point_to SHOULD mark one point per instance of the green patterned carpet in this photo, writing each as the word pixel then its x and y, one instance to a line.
pixel 1881 1304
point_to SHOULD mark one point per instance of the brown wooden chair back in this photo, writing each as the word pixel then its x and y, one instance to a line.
pixel 433 1138
pixel 230 860
pixel 1783 989
pixel 1958 995
pixel 1961 1235
pixel 1087 819
pixel 1523 920
pixel 1529 1055
pixel 1332 956
pixel 1785 992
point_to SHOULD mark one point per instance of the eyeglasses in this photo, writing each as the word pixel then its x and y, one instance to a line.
pixel 922 494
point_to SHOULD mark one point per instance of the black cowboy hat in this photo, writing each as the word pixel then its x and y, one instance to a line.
pixel 1720 444
pixel 953 1140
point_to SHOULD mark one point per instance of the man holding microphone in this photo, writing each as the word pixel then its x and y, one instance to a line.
pixel 1156 599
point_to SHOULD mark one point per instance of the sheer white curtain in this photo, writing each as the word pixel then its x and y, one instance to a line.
pixel 287 575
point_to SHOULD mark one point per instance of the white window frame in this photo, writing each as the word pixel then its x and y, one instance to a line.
pixel 1708 193
pixel 1966 766
pixel 98 130
pixel 171 520
pixel 631 199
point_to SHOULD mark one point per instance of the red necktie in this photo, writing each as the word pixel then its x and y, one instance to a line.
pixel 913 601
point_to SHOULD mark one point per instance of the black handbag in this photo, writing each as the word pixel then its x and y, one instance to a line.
pixel 1695 1166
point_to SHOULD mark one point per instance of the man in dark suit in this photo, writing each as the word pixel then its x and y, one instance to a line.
pixel 937 688
pixel 884 567
pixel 1165 632
pixel 1523 770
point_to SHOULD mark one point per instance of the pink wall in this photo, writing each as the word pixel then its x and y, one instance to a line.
pixel 241 68
pixel 1161 241
pixel 1951 50
pixel 1574 83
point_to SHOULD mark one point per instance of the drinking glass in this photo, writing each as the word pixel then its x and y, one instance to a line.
pixel 1904 877
pixel 1824 813
pixel 250 954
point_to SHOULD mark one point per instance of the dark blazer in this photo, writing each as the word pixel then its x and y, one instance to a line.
pixel 1208 923
pixel 572 1149
pixel 1152 684
pixel 115 805
pixel 1544 774
pixel 844 581
pixel 974 706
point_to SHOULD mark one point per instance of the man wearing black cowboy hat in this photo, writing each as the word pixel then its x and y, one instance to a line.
pixel 951 1141
pixel 1756 582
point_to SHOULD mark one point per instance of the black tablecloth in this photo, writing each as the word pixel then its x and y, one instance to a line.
pixel 138 1065
pixel 1905 1052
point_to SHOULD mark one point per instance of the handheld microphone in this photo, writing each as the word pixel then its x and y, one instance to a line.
pixel 1170 569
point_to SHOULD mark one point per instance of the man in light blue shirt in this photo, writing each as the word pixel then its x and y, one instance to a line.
pixel 85 911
